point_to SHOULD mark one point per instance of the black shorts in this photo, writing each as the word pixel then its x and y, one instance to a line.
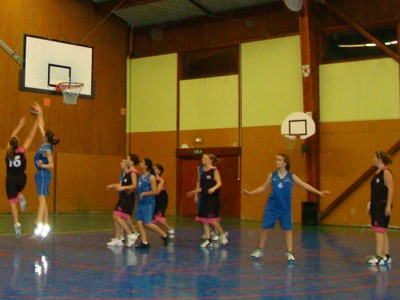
pixel 210 206
pixel 378 218
pixel 126 203
pixel 161 205
pixel 15 184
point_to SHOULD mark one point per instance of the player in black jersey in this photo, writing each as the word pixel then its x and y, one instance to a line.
pixel 380 207
pixel 16 165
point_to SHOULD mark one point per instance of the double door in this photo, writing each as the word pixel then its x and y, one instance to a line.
pixel 188 161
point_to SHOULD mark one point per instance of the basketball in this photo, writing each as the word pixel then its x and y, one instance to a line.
pixel 58 89
pixel 33 110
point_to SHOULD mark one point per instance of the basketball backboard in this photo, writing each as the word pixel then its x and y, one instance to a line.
pixel 48 62
pixel 298 124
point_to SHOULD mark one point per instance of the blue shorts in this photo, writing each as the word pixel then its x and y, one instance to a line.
pixel 283 216
pixel 145 211
pixel 42 179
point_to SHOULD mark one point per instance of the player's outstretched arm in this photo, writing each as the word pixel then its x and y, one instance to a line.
pixel 260 189
pixel 308 187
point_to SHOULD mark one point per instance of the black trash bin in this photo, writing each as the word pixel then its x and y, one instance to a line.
pixel 309 213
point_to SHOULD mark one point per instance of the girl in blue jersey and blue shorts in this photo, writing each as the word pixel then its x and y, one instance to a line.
pixel 279 204
pixel 146 191
pixel 43 163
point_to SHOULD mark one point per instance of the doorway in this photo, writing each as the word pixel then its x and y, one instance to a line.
pixel 187 175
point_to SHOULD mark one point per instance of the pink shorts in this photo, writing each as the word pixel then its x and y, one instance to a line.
pixel 207 220
pixel 121 215
pixel 379 229
pixel 14 200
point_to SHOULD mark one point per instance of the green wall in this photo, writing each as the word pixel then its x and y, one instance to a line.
pixel 360 90
pixel 152 94
pixel 208 103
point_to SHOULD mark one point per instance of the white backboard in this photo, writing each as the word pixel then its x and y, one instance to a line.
pixel 48 62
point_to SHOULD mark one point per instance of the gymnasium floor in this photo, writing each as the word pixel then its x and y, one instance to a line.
pixel 74 263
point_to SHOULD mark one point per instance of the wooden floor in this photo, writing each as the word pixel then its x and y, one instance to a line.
pixel 75 263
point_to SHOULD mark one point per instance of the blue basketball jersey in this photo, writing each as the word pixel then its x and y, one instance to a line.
pixel 281 194
pixel 40 155
pixel 144 185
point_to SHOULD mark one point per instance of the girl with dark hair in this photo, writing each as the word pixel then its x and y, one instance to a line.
pixel 380 207
pixel 43 163
pixel 147 189
pixel 209 186
pixel 279 204
pixel 16 177
pixel 123 210
pixel 161 202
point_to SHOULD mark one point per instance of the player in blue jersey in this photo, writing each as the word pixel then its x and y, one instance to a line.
pixel 380 207
pixel 146 191
pixel 16 177
pixel 43 163
pixel 279 204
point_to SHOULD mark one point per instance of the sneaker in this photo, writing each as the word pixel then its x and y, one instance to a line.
pixel 258 253
pixel 46 230
pixel 223 238
pixel 116 242
pixel 38 229
pixel 143 246
pixel 214 236
pixel 207 243
pixel 17 228
pixel 165 240
pixel 290 257
pixel 388 259
pixel 376 260
pixel 22 202
pixel 131 240
pixel 171 233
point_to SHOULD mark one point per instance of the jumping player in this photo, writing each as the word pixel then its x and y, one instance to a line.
pixel 44 163
pixel 279 204
pixel 16 177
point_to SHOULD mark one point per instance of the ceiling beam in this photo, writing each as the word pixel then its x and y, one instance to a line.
pixel 360 29
pixel 109 6
pixel 205 10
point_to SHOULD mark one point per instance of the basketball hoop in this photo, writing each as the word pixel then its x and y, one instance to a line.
pixel 291 141
pixel 70 91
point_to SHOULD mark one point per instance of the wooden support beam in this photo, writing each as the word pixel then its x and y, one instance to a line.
pixel 356 184
pixel 309 57
pixel 359 29
pixel 109 6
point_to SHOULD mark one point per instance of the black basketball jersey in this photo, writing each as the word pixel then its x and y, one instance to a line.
pixel 379 191
pixel 207 181
pixel 18 164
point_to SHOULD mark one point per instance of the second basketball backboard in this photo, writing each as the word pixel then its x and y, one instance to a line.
pixel 298 124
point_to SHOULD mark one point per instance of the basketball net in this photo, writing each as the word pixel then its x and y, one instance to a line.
pixel 291 141
pixel 70 91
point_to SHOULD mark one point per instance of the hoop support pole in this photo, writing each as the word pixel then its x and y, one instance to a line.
pixel 11 52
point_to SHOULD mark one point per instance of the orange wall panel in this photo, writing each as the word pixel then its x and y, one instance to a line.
pixel 81 181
